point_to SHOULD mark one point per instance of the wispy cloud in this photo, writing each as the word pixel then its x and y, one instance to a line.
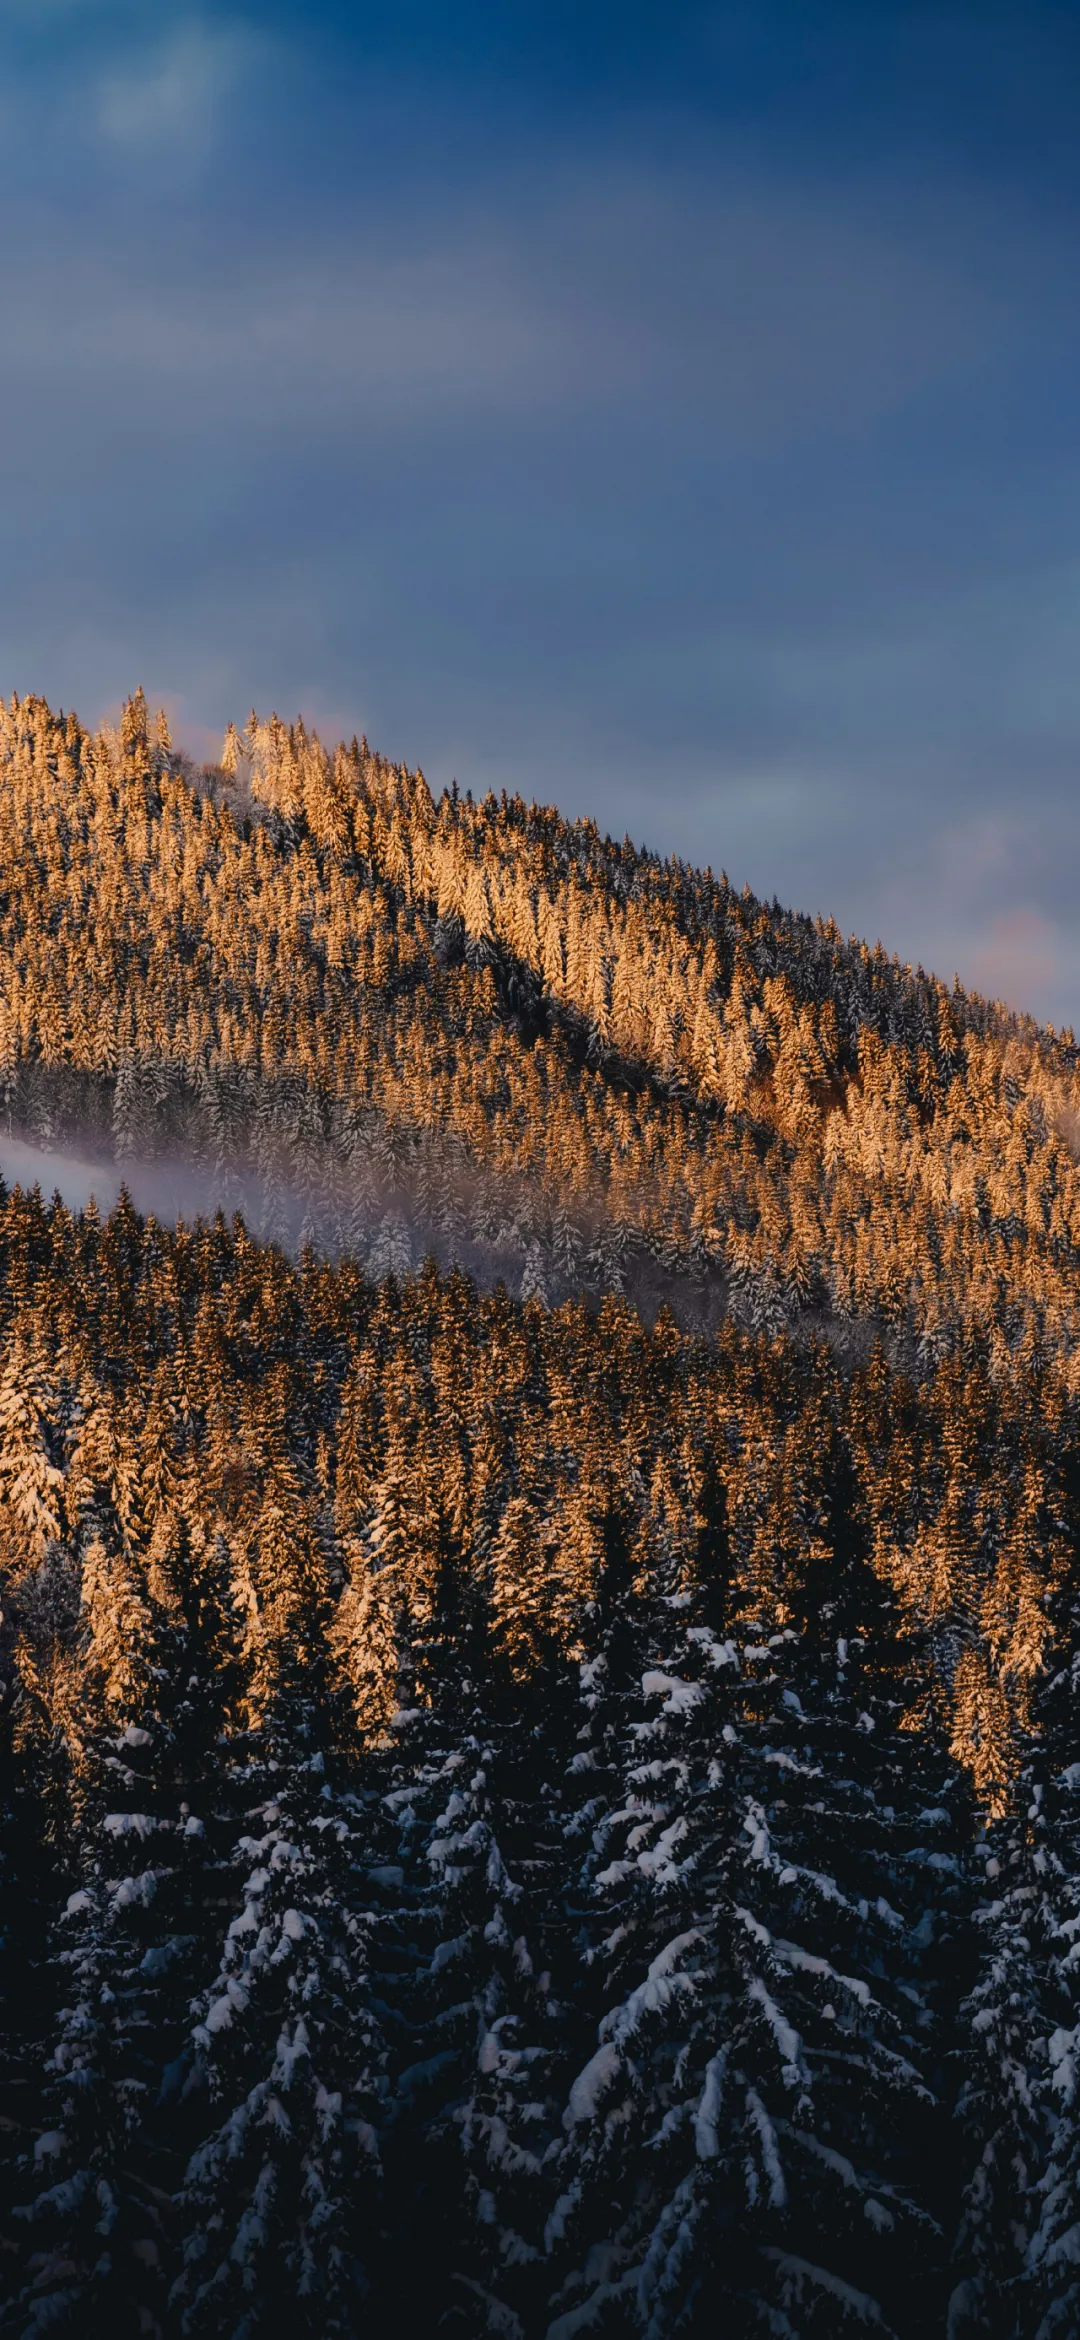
pixel 1021 959
pixel 753 308
pixel 172 97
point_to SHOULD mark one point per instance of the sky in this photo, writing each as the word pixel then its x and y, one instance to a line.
pixel 669 411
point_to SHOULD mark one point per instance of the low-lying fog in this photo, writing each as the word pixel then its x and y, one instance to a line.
pixel 169 1190
pixel 388 1229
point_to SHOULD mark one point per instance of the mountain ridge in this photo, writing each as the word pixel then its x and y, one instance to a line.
pixel 521 1815
pixel 686 1073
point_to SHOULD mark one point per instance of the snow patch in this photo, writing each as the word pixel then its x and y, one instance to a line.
pixel 679 1697
pixel 591 2084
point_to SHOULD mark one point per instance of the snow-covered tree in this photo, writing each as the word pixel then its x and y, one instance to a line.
pixel 280 2199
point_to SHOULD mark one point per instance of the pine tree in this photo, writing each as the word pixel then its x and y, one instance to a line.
pixel 280 2197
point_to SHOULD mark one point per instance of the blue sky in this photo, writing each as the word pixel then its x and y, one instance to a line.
pixel 670 411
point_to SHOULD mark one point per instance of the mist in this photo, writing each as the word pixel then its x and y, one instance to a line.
pixel 167 1191
pixel 575 1252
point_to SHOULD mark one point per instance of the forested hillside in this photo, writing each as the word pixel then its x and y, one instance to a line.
pixel 539 1663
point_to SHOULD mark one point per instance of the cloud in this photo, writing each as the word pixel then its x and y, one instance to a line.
pixel 173 96
pixel 1021 959
pixel 750 312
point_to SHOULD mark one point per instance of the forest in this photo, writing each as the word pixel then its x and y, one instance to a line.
pixel 540 1639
